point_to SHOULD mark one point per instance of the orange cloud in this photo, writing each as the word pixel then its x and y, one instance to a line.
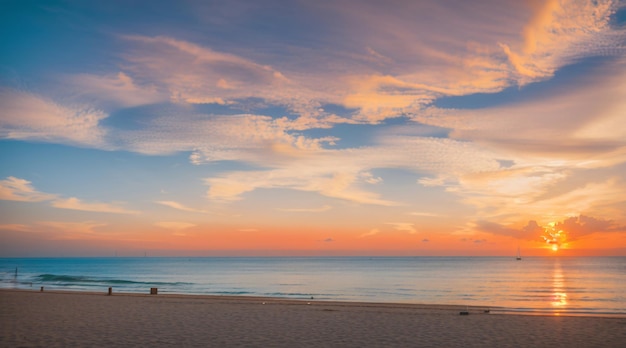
pixel 558 33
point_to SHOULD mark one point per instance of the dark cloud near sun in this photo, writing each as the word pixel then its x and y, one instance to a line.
pixel 577 227
pixel 573 227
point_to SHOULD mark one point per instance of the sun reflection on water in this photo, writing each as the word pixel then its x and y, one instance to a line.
pixel 559 296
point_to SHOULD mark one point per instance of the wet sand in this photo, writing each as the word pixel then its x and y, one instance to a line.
pixel 79 319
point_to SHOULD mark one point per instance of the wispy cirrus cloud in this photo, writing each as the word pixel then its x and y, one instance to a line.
pixel 403 226
pixel 70 230
pixel 74 203
pixel 211 138
pixel 21 190
pixel 180 206
pixel 114 90
pixel 197 74
pixel 27 116
pixel 16 189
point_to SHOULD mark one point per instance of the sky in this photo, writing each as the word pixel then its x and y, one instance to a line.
pixel 271 128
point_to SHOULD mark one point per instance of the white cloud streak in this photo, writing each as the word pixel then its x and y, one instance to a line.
pixel 179 206
pixel 30 117
pixel 21 190
pixel 74 203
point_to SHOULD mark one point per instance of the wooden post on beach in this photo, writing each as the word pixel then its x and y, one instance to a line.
pixel 110 291
pixel 153 291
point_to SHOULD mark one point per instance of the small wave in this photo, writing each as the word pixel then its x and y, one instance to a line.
pixel 15 282
pixel 68 279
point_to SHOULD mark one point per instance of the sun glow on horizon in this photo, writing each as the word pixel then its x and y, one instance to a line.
pixel 554 237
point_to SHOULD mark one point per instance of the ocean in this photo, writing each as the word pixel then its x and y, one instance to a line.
pixel 534 285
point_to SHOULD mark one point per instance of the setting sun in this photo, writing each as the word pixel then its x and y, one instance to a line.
pixel 555 247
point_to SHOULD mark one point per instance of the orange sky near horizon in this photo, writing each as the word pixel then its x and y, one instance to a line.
pixel 228 240
pixel 427 127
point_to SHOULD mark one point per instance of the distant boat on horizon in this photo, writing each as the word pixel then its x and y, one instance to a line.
pixel 519 256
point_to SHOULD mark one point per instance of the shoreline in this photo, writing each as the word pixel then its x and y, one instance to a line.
pixel 81 319
pixel 262 299
pixel 537 287
pixel 470 309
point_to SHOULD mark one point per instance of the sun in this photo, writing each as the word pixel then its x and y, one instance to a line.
pixel 554 236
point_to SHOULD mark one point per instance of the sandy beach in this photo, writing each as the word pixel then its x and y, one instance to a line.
pixel 78 319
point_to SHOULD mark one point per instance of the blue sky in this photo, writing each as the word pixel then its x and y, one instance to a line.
pixel 293 127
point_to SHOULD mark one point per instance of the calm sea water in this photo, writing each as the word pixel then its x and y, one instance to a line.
pixel 588 285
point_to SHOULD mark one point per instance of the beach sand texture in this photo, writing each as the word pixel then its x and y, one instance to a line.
pixel 76 319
